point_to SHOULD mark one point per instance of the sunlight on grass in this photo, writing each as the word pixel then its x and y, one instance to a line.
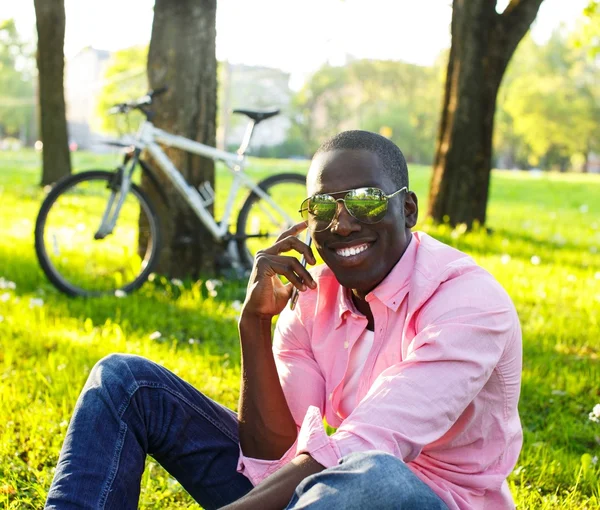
pixel 543 247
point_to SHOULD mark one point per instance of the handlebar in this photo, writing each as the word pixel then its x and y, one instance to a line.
pixel 138 104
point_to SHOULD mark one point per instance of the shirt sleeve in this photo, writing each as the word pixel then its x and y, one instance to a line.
pixel 303 386
pixel 459 342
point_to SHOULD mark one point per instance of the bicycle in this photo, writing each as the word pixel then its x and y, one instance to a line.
pixel 97 232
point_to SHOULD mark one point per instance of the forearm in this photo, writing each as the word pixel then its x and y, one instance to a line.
pixel 275 492
pixel 266 426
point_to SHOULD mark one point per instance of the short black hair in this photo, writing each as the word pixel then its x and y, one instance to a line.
pixel 389 153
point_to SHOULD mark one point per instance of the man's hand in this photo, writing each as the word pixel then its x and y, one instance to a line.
pixel 267 295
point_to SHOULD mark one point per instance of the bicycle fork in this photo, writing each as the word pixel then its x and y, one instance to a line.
pixel 121 183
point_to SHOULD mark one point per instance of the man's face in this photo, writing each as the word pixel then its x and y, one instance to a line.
pixel 342 243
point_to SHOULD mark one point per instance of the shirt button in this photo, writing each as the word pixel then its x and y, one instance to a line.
pixel 346 344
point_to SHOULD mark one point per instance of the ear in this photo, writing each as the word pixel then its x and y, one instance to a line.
pixel 411 209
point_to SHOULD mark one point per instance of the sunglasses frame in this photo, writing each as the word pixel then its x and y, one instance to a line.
pixel 343 200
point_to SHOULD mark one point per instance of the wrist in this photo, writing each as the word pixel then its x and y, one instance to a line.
pixel 253 326
pixel 253 318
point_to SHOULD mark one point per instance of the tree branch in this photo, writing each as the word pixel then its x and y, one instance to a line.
pixel 516 20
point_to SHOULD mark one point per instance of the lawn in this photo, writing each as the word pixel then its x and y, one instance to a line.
pixel 543 247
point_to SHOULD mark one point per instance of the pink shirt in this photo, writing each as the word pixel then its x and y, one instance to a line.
pixel 439 388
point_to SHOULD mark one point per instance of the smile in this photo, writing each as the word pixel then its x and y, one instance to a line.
pixel 352 250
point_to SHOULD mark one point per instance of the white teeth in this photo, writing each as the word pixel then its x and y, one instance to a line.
pixel 354 250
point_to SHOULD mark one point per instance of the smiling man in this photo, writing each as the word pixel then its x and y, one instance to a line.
pixel 401 343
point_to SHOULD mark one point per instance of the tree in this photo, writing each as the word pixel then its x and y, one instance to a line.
pixel 394 97
pixel 125 79
pixel 182 57
pixel 483 41
pixel 50 21
pixel 16 82
pixel 555 105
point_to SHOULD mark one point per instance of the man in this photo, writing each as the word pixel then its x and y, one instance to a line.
pixel 402 343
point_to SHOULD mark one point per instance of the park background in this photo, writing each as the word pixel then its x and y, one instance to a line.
pixel 335 71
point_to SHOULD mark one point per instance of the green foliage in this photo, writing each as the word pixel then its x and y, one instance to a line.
pixel 588 33
pixel 543 250
pixel 398 99
pixel 125 80
pixel 16 81
pixel 549 104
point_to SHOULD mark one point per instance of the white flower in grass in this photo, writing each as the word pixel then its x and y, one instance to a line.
pixel 7 284
pixel 213 284
pixel 156 335
pixel 535 260
pixel 1 318
pixel 177 282
pixel 120 293
pixel 518 470
pixel 597 275
pixel 583 208
pixel 571 278
pixel 505 259
pixel 595 460
pixel 5 297
pixel 36 302
pixel 593 249
pixel 236 305
pixel 595 414
pixel 192 341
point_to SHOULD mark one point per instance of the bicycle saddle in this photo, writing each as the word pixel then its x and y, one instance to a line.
pixel 258 116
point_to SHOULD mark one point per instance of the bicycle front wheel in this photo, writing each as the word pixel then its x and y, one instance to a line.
pixel 66 243
pixel 261 221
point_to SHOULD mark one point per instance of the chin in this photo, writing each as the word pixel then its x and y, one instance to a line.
pixel 357 280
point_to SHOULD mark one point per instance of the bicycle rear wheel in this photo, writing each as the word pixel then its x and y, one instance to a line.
pixel 77 263
pixel 260 223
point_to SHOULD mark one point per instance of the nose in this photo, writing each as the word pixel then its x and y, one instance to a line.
pixel 343 222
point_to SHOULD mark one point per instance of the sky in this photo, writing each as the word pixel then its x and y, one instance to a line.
pixel 297 36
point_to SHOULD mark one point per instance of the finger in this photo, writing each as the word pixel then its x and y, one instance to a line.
pixel 292 231
pixel 291 243
pixel 284 266
pixel 303 273
pixel 289 267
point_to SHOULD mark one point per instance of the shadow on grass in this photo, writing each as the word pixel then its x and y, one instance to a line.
pixel 155 307
pixel 520 246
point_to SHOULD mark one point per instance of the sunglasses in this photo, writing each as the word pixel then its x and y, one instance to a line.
pixel 367 205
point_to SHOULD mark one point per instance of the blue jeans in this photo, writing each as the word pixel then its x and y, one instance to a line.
pixel 131 407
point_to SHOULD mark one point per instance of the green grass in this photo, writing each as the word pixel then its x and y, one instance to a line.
pixel 544 248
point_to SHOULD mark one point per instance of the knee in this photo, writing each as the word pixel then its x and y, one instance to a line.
pixel 385 472
pixel 378 470
pixel 117 370
pixel 381 464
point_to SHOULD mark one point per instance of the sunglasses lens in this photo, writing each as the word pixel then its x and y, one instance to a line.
pixel 322 209
pixel 368 205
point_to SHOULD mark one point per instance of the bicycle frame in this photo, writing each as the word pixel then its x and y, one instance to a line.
pixel 149 137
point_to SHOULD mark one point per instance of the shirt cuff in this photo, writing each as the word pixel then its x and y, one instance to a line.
pixel 256 470
pixel 312 439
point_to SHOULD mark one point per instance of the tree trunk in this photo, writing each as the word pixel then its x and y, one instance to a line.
pixel 483 41
pixel 182 57
pixel 50 21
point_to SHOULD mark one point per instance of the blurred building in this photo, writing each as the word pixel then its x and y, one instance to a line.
pixel 83 82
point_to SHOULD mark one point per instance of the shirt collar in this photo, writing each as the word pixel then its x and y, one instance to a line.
pixel 391 291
